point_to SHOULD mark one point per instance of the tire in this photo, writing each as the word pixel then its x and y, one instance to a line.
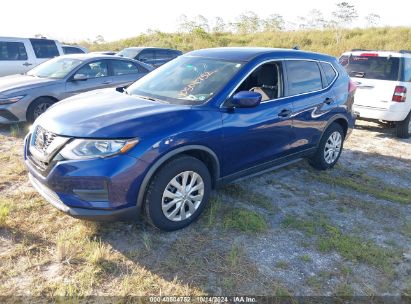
pixel 177 215
pixel 329 142
pixel 38 107
pixel 404 127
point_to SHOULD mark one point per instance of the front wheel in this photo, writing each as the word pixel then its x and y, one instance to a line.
pixel 404 127
pixel 38 107
pixel 329 149
pixel 178 193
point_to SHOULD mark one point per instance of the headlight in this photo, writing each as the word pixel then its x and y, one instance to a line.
pixel 93 148
pixel 11 99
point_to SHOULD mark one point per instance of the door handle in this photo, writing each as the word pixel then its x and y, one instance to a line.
pixel 27 64
pixel 328 100
pixel 284 113
pixel 107 82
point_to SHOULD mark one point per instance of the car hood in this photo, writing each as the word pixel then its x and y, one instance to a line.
pixel 10 85
pixel 108 113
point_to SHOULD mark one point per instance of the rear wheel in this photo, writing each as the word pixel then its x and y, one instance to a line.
pixel 38 107
pixel 178 193
pixel 404 127
pixel 329 149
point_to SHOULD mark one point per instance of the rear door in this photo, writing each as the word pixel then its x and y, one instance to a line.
pixel 125 72
pixel 312 99
pixel 15 57
pixel 97 77
pixel 376 77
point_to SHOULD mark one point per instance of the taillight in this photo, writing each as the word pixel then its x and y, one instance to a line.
pixel 352 86
pixel 400 94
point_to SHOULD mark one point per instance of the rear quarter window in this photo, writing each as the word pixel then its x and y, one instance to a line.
pixel 329 72
pixel 12 51
pixel 303 77
pixel 371 67
pixel 407 70
pixel 44 48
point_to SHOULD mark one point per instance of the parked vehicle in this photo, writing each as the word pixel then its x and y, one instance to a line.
pixel 25 97
pixel 384 86
pixel 73 49
pixel 204 119
pixel 104 53
pixel 153 56
pixel 18 55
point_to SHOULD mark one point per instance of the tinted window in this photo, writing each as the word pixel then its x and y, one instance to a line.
pixel 164 55
pixel 72 50
pixel 44 48
pixel 94 69
pixel 303 77
pixel 12 51
pixel 372 67
pixel 121 67
pixel 329 72
pixel 146 55
pixel 407 70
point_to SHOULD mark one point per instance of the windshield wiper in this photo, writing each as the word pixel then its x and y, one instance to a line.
pixel 149 98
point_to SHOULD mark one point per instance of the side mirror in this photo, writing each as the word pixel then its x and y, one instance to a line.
pixel 80 77
pixel 246 99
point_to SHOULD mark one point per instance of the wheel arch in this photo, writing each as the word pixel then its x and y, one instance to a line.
pixel 339 119
pixel 54 99
pixel 203 153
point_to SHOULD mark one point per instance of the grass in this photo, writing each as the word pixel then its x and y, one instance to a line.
pixel 245 220
pixel 239 193
pixel 282 265
pixel 325 41
pixel 361 182
pixel 306 258
pixel 354 248
pixel 4 211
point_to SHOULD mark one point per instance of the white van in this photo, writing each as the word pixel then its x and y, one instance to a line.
pixel 383 86
pixel 18 55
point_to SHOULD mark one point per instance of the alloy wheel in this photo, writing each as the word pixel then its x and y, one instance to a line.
pixel 40 109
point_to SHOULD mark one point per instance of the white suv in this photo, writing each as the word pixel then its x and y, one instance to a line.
pixel 18 55
pixel 383 86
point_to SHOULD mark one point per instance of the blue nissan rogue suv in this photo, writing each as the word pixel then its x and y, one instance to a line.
pixel 206 118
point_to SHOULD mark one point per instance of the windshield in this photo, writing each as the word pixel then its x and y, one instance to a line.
pixel 187 80
pixel 129 53
pixel 57 68
pixel 372 67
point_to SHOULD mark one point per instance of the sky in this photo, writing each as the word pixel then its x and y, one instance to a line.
pixel 76 20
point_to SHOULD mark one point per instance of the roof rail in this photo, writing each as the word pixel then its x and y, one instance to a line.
pixel 356 50
pixel 405 52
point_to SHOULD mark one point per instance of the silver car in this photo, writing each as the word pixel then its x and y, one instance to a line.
pixel 25 97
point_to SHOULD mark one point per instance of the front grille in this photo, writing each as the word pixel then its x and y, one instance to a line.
pixel 43 139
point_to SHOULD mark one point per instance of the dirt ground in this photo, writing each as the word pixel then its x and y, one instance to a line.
pixel 294 231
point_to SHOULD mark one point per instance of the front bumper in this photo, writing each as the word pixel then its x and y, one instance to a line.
pixel 96 189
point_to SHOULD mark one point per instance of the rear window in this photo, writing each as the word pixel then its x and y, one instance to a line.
pixel 372 67
pixel 329 72
pixel 12 51
pixel 44 48
pixel 303 77
pixel 121 67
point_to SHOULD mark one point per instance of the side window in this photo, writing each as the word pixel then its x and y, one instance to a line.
pixel 121 67
pixel 94 69
pixel 267 80
pixel 164 55
pixel 44 48
pixel 329 72
pixel 147 55
pixel 303 77
pixel 12 51
pixel 407 70
pixel 72 50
